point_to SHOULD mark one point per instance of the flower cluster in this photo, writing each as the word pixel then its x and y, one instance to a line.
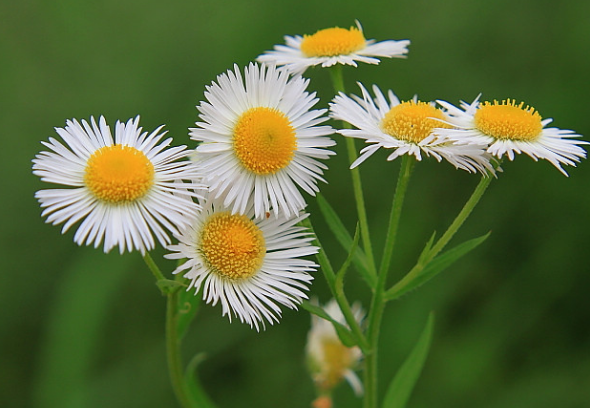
pixel 234 207
pixel 260 142
pixel 234 202
pixel 473 137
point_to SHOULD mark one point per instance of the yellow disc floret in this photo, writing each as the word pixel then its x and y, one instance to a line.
pixel 333 41
pixel 412 121
pixel 507 120
pixel 119 174
pixel 337 360
pixel 232 245
pixel 264 140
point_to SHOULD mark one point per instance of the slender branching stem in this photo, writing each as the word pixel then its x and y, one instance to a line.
pixel 378 302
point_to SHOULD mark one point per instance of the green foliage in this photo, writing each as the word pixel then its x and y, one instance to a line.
pixel 403 382
pixel 193 384
pixel 423 272
pixel 345 336
pixel 343 237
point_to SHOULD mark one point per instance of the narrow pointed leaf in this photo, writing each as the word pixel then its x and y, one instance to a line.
pixel 193 386
pixel 344 334
pixel 405 379
pixel 351 252
pixel 343 237
pixel 421 274
pixel 427 248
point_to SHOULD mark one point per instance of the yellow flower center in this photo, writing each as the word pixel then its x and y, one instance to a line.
pixel 119 174
pixel 412 121
pixel 264 140
pixel 232 245
pixel 337 359
pixel 507 120
pixel 333 41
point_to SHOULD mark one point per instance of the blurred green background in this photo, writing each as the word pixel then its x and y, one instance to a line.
pixel 84 329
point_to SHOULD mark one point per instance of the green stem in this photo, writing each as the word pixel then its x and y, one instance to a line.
pixel 378 301
pixel 173 352
pixel 445 238
pixel 172 341
pixel 396 211
pixel 370 357
pixel 337 289
pixel 153 267
pixel 462 216
pixel 337 78
pixel 338 83
pixel 349 315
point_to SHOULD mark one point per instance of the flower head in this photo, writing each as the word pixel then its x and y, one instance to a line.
pixel 406 127
pixel 509 128
pixel 250 265
pixel 329 360
pixel 261 139
pixel 123 191
pixel 332 46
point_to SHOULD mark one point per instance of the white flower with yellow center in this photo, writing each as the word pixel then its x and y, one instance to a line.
pixel 510 128
pixel 260 139
pixel 328 359
pixel 124 191
pixel 332 46
pixel 406 127
pixel 249 265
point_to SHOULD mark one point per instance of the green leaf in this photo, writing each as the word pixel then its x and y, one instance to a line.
pixel 403 383
pixel 193 386
pixel 421 274
pixel 344 334
pixel 316 310
pixel 426 249
pixel 343 237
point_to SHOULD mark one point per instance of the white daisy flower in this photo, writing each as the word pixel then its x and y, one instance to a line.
pixel 250 265
pixel 508 128
pixel 260 138
pixel 332 46
pixel 123 191
pixel 329 360
pixel 406 127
